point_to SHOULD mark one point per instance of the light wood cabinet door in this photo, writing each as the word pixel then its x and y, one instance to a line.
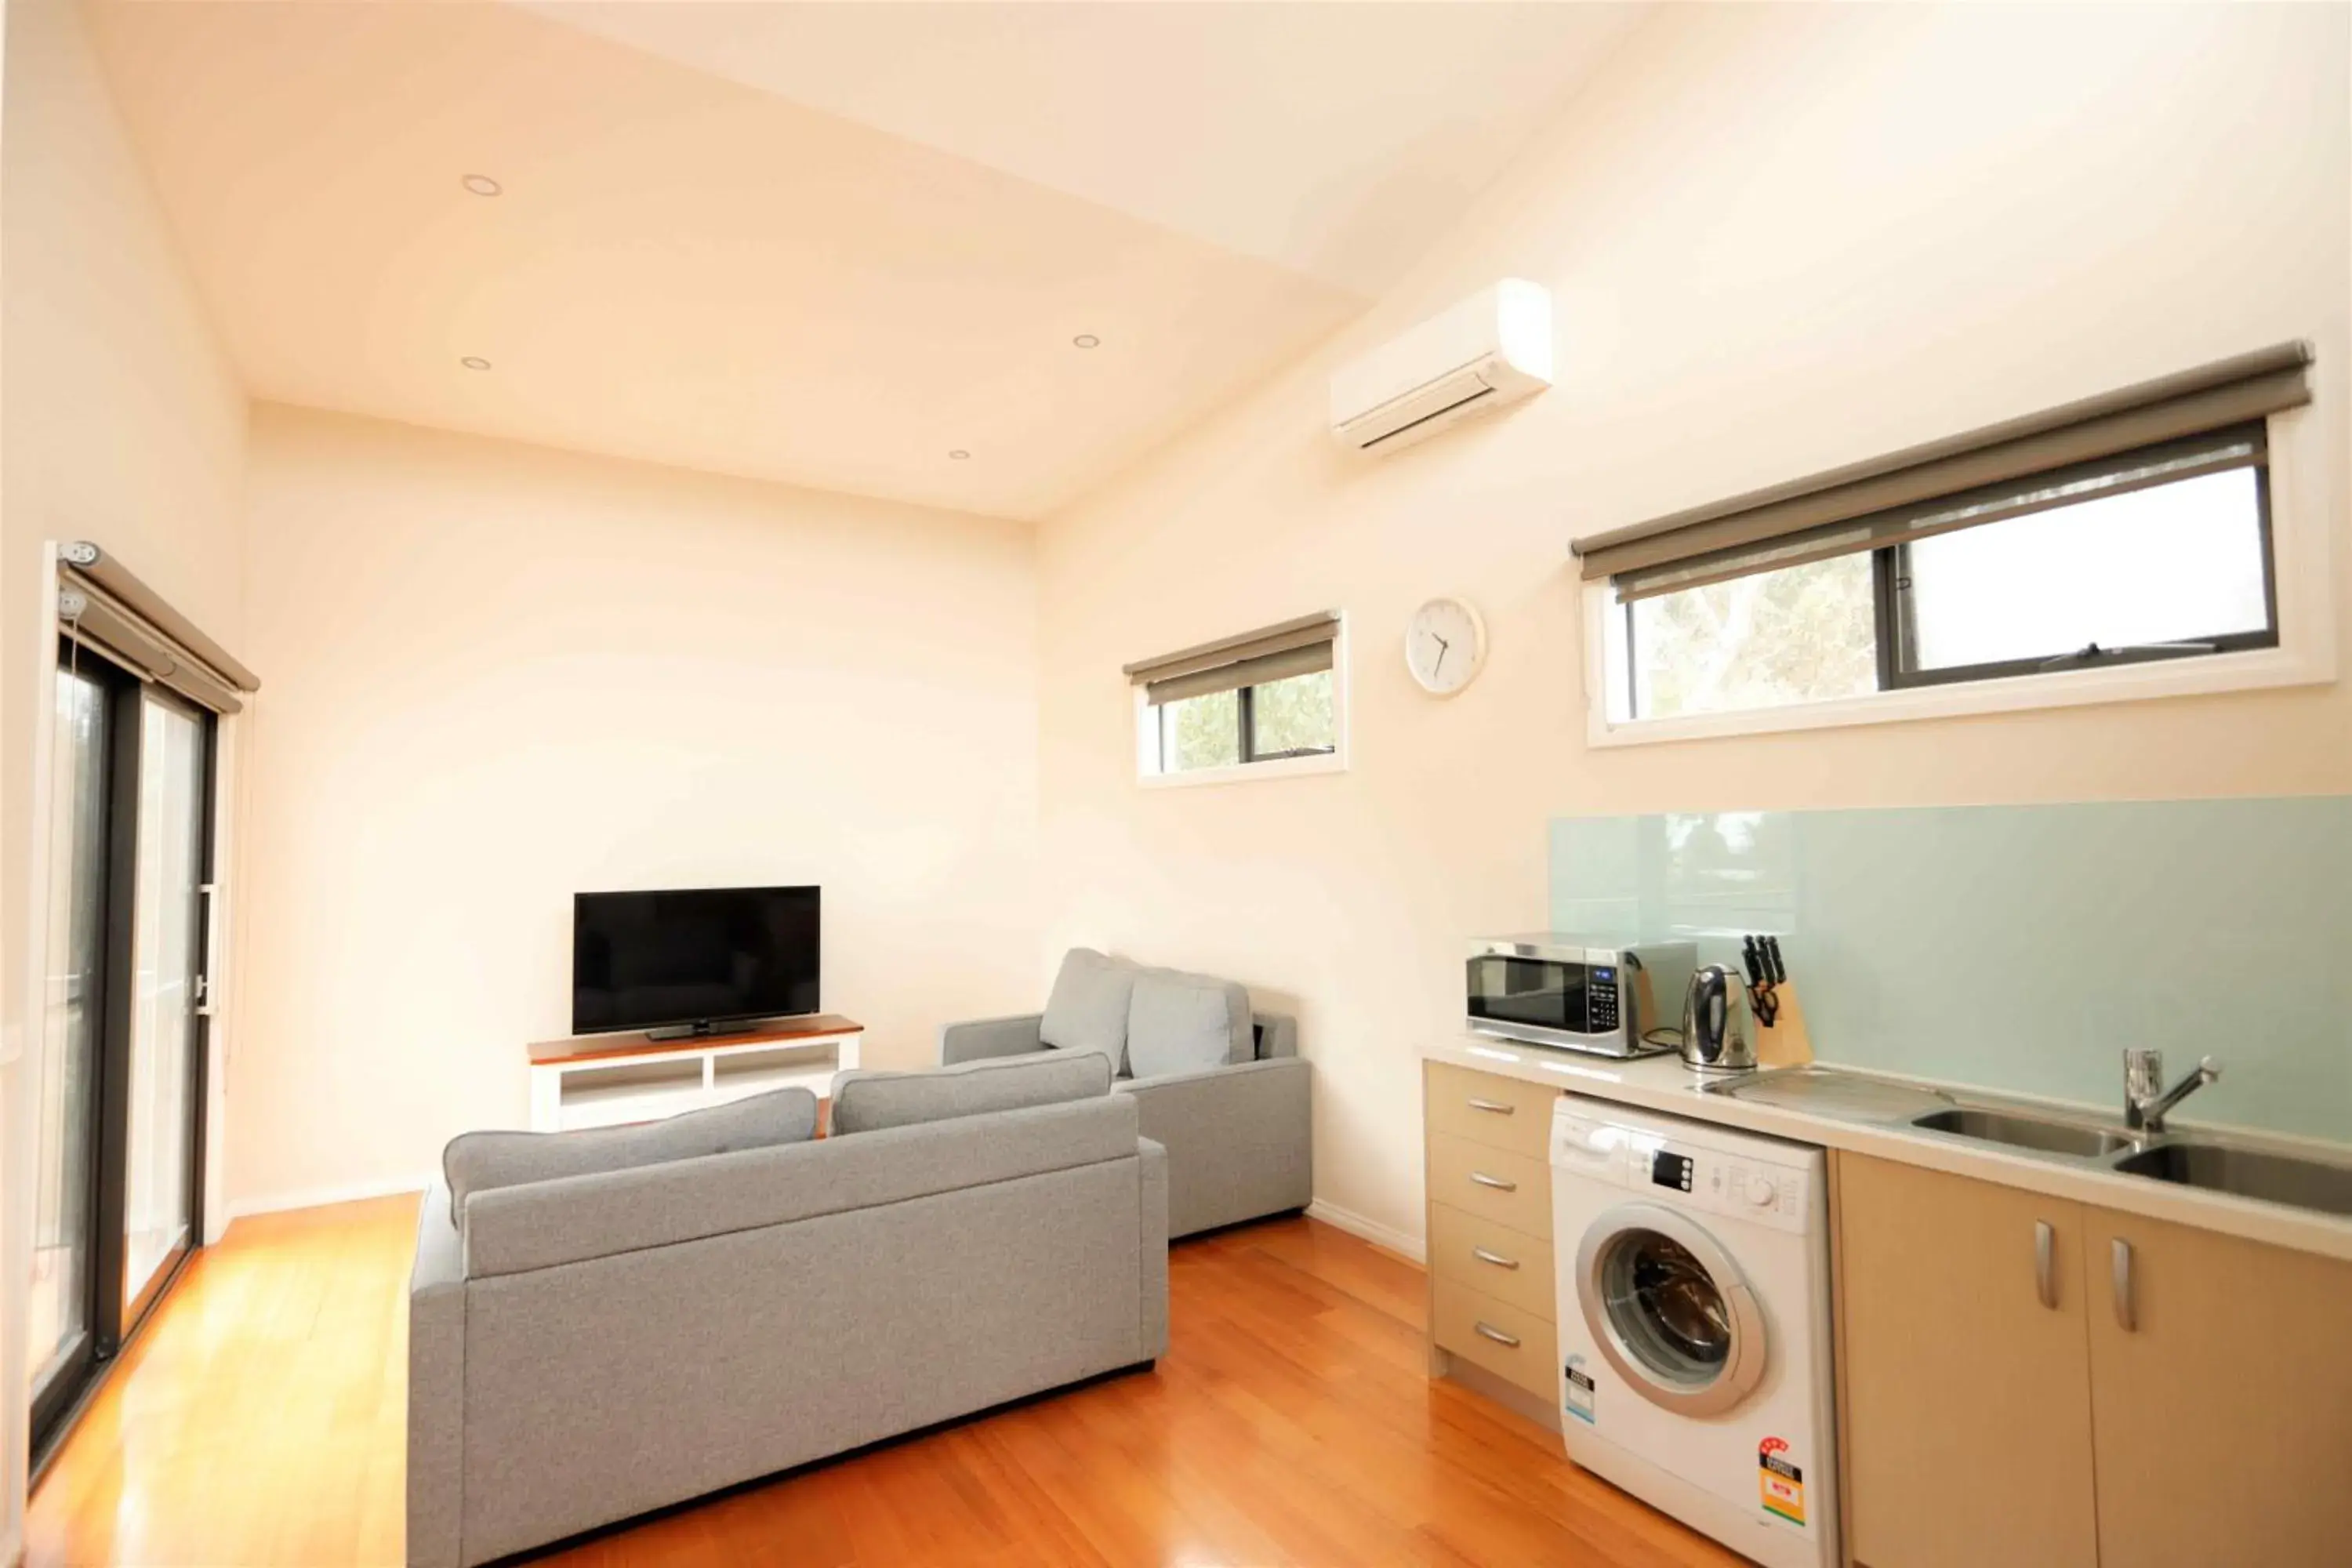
pixel 2222 1392
pixel 1514 1190
pixel 1512 1344
pixel 1485 1107
pixel 1966 1373
pixel 1493 1259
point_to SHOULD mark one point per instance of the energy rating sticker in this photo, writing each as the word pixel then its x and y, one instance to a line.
pixel 1579 1400
pixel 1781 1484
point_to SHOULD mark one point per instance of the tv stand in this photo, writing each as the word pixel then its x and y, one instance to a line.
pixel 605 1080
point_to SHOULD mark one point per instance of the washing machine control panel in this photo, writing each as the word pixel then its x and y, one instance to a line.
pixel 1684 1173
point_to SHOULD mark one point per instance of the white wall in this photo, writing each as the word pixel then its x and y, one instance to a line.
pixel 120 422
pixel 498 675
pixel 1778 238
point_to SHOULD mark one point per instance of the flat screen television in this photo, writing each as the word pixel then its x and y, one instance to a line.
pixel 692 960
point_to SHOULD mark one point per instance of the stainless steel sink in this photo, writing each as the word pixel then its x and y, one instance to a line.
pixel 2035 1132
pixel 2246 1173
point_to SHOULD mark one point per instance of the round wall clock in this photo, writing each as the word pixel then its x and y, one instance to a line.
pixel 1445 645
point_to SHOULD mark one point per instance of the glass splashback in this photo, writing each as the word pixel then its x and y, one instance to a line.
pixel 2023 947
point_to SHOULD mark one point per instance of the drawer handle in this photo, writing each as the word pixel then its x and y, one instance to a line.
pixel 2046 1279
pixel 2120 1258
pixel 1510 1341
pixel 1500 1185
pixel 1496 1258
pixel 1496 1106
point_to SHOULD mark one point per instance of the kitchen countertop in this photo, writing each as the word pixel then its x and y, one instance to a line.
pixel 1663 1083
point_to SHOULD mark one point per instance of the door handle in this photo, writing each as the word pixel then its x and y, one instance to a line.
pixel 1496 1106
pixel 2046 1277
pixel 1496 1258
pixel 1500 1185
pixel 1510 1341
pixel 2120 1258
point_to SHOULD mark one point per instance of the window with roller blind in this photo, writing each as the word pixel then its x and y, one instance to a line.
pixel 2121 532
pixel 1256 704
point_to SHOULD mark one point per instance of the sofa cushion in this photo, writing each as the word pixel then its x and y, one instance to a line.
pixel 868 1101
pixel 475 1162
pixel 1184 1022
pixel 1088 1009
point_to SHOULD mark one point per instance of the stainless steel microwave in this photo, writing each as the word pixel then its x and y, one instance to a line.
pixel 1550 988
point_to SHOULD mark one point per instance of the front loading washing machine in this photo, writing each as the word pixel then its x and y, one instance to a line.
pixel 1694 1318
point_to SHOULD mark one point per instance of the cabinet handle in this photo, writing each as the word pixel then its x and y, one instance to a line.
pixel 1500 1185
pixel 1496 1106
pixel 2045 1277
pixel 1510 1341
pixel 2125 1319
pixel 1496 1258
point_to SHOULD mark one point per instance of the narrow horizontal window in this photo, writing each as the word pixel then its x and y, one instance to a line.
pixel 2161 553
pixel 1271 696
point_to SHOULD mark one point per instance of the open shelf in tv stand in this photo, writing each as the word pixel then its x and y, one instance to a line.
pixel 605 1080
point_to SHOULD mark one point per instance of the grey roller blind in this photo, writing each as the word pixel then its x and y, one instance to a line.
pixel 1806 519
pixel 102 604
pixel 1299 646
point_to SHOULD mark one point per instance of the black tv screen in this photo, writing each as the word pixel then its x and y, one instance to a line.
pixel 692 957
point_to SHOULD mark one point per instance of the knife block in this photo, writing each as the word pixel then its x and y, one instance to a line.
pixel 1785 1044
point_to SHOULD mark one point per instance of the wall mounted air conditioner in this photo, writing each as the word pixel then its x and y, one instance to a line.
pixel 1492 349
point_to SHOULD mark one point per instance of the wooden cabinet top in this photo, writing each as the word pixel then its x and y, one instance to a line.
pixel 635 1043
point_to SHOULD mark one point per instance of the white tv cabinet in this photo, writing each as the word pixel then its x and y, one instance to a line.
pixel 605 1080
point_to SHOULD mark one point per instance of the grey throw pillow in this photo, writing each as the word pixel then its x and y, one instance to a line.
pixel 1186 1023
pixel 1087 1010
pixel 867 1101
pixel 476 1161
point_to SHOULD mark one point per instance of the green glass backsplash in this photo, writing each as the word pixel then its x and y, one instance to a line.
pixel 2023 947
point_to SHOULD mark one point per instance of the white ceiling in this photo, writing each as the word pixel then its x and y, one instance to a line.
pixel 1332 139
pixel 825 244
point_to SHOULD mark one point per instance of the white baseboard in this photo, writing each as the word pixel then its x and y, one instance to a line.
pixel 1379 1235
pixel 319 1197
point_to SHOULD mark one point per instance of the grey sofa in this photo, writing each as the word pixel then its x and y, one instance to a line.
pixel 1239 1134
pixel 587 1348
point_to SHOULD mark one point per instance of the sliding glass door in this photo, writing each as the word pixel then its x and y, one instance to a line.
pixel 167 956
pixel 63 1324
pixel 121 1073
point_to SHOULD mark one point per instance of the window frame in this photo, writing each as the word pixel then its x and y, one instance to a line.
pixel 2298 649
pixel 1281 764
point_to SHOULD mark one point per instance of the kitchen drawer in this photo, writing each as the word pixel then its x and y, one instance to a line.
pixel 1502 1112
pixel 1509 1189
pixel 1510 1343
pixel 1491 1259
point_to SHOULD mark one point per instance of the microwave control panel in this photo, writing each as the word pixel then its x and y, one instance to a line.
pixel 1601 999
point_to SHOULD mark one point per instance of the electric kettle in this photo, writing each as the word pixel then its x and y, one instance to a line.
pixel 1717 1035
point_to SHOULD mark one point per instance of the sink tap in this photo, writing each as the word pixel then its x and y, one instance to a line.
pixel 2146 1099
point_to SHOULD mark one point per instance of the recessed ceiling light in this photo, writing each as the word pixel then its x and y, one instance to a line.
pixel 1087 341
pixel 482 185
pixel 474 362
pixel 959 454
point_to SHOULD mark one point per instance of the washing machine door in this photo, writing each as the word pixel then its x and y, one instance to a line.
pixel 1670 1310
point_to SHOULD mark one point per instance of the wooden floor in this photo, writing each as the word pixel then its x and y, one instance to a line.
pixel 259 1421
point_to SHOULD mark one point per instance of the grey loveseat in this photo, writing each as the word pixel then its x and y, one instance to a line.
pixel 1238 1131
pixel 590 1347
